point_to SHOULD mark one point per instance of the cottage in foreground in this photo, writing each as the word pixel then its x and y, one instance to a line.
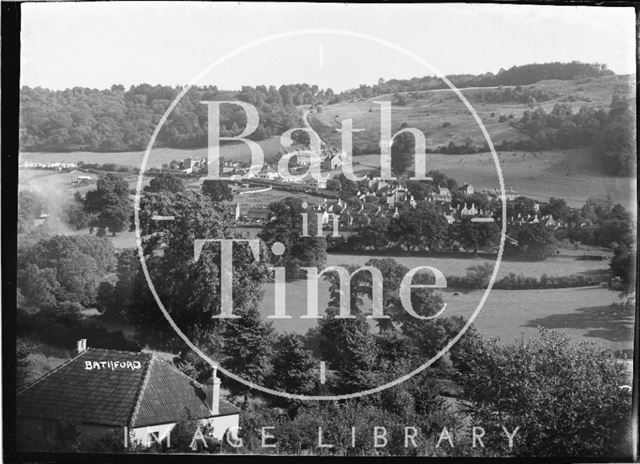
pixel 102 391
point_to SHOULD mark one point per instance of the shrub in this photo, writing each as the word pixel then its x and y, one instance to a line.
pixel 478 277
pixel 566 399
pixel 62 325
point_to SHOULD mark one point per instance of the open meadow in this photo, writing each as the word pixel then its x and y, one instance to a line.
pixel 157 157
pixel 585 313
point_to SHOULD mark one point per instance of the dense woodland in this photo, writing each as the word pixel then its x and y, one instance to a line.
pixel 119 119
pixel 516 75
pixel 611 132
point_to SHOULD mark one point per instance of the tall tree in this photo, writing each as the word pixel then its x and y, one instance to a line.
pixel 536 241
pixel 38 286
pixel 421 228
pixel 348 347
pixel 110 201
pixel 286 228
pixel 622 265
pixel 474 236
pixel 248 347
pixel 402 152
pixel 293 365
pixel 68 266
pixel 165 182
pixel 190 289
pixel 217 190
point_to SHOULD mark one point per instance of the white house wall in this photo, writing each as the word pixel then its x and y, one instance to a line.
pixel 142 435
pixel 220 425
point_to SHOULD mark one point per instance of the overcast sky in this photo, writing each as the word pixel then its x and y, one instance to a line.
pixel 100 44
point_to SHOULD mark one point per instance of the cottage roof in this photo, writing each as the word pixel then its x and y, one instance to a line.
pixel 156 393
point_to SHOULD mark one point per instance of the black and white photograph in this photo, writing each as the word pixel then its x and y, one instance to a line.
pixel 319 229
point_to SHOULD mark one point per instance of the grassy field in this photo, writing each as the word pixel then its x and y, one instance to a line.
pixel 505 314
pixel 584 313
pixel 158 156
pixel 57 190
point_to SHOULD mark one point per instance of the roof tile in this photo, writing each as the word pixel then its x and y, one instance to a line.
pixel 155 393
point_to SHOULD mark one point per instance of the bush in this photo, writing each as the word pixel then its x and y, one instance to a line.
pixel 478 277
pixel 62 325
pixel 566 399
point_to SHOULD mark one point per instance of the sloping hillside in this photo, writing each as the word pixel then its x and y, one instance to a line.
pixel 573 174
pixel 444 118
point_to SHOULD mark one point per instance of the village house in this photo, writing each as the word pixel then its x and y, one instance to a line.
pixel 442 195
pixel 332 161
pixel 301 156
pixel 190 165
pixel 230 164
pixel 82 180
pixel 468 212
pixel 103 392
pixel 269 173
pixel 510 194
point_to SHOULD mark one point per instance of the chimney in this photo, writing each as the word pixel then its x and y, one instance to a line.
pixel 81 345
pixel 212 389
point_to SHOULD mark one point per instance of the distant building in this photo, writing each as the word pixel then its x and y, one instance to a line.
pixel 510 194
pixel 83 180
pixel 443 195
pixel 301 156
pixel 268 173
pixel 333 161
pixel 106 391
pixel 468 212
pixel 188 163
pixel 58 166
